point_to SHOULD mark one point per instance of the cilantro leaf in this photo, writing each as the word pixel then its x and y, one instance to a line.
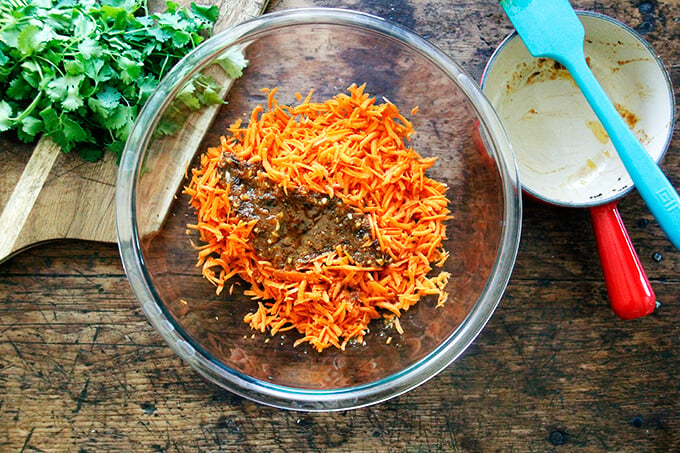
pixel 206 13
pixel 180 38
pixel 121 116
pixel 210 96
pixel 31 74
pixel 160 34
pixel 73 131
pixel 30 128
pixel 201 90
pixel 168 126
pixel 6 122
pixel 98 71
pixel 51 120
pixel 83 26
pixel 4 59
pixel 72 101
pixel 146 87
pixel 109 97
pixel 129 69
pixel 74 66
pixel 32 38
pixel 187 96
pixel 129 5
pixel 10 36
pixel 105 102
pixel 18 90
pixel 233 62
pixel 171 21
pixel 62 87
pixel 89 48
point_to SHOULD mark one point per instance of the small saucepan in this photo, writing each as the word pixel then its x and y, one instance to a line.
pixel 563 153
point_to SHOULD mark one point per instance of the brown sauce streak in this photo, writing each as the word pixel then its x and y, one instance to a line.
pixel 294 228
pixel 629 117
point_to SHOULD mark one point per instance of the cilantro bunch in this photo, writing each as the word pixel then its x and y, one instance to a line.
pixel 79 70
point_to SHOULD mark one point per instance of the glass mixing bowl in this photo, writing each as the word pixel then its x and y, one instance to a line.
pixel 326 50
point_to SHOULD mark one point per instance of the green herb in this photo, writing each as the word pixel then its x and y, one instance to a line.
pixel 79 70
pixel 199 91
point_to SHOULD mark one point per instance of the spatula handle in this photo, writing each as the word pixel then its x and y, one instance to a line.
pixel 652 185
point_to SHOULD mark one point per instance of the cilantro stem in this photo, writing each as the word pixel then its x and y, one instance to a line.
pixel 48 62
pixel 29 108
pixel 161 72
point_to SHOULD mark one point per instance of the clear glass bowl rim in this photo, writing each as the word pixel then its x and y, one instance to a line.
pixel 299 398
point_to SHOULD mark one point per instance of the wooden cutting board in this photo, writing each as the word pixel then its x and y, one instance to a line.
pixel 53 195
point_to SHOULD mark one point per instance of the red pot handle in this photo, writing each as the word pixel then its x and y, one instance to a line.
pixel 630 293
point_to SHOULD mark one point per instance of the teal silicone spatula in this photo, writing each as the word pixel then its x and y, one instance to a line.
pixel 551 28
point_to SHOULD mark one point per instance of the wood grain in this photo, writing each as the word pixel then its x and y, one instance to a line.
pixel 25 193
pixel 81 370
pixel 72 198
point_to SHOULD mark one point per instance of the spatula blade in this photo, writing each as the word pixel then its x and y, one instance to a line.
pixel 549 28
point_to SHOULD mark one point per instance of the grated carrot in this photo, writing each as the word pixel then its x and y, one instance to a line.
pixel 351 148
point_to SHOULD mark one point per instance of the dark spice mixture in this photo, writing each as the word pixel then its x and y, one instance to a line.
pixel 294 228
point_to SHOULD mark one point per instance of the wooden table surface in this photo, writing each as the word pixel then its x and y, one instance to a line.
pixel 81 370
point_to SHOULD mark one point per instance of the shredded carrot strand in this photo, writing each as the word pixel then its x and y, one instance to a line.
pixel 352 148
